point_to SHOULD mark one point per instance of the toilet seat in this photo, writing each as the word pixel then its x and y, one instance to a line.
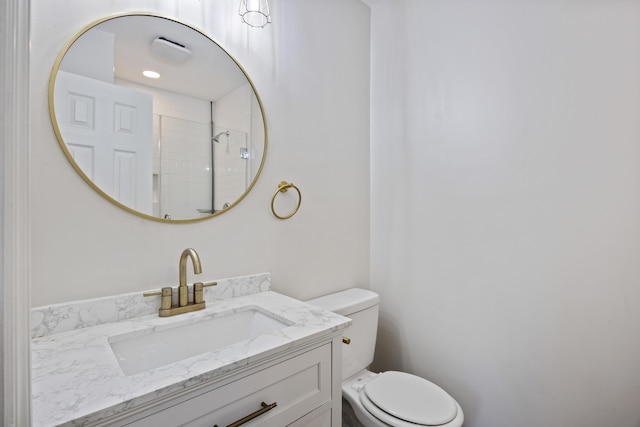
pixel 406 400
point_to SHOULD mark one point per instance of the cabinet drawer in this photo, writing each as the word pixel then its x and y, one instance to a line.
pixel 320 417
pixel 297 385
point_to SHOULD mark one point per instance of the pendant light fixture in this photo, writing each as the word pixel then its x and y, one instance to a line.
pixel 255 13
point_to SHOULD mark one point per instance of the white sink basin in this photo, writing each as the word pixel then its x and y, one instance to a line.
pixel 144 350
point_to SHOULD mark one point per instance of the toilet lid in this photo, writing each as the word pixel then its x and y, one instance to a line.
pixel 411 398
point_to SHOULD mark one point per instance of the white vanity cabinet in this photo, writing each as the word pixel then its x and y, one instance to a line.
pixel 295 390
pixel 78 379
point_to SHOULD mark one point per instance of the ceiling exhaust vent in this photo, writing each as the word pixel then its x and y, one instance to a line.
pixel 170 51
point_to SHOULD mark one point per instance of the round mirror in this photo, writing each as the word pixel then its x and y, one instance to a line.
pixel 157 117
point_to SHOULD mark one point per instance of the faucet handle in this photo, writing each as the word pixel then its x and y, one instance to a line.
pixel 166 293
pixel 198 291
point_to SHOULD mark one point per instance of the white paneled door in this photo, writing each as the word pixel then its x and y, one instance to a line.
pixel 108 132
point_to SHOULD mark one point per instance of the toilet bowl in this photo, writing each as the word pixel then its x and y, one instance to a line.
pixel 401 400
pixel 389 398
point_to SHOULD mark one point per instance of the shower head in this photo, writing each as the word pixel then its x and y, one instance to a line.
pixel 217 137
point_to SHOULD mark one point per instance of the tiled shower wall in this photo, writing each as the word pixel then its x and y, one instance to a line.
pixel 184 175
pixel 179 122
pixel 185 167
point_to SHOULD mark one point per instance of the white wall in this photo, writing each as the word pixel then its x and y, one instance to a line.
pixel 2 284
pixel 92 56
pixel 313 81
pixel 506 205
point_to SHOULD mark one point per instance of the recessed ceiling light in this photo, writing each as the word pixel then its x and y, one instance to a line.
pixel 151 74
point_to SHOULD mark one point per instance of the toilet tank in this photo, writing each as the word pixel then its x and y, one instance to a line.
pixel 361 306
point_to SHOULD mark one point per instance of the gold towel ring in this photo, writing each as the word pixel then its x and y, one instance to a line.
pixel 282 188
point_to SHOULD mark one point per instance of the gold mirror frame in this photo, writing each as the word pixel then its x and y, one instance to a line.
pixel 68 155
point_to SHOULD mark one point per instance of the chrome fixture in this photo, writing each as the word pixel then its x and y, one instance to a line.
pixel 255 13
pixel 217 137
pixel 167 308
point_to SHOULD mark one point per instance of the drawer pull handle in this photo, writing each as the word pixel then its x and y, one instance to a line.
pixel 346 340
pixel 265 408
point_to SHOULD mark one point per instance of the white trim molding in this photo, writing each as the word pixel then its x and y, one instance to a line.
pixel 14 131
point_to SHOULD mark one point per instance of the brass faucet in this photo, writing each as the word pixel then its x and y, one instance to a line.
pixel 184 306
pixel 183 296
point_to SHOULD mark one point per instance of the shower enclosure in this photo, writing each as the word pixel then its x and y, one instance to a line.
pixel 198 168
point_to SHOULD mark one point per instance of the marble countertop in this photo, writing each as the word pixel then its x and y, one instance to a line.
pixel 76 379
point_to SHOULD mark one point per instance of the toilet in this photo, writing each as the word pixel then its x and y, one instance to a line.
pixel 382 399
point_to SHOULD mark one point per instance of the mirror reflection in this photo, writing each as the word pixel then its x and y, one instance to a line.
pixel 157 117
